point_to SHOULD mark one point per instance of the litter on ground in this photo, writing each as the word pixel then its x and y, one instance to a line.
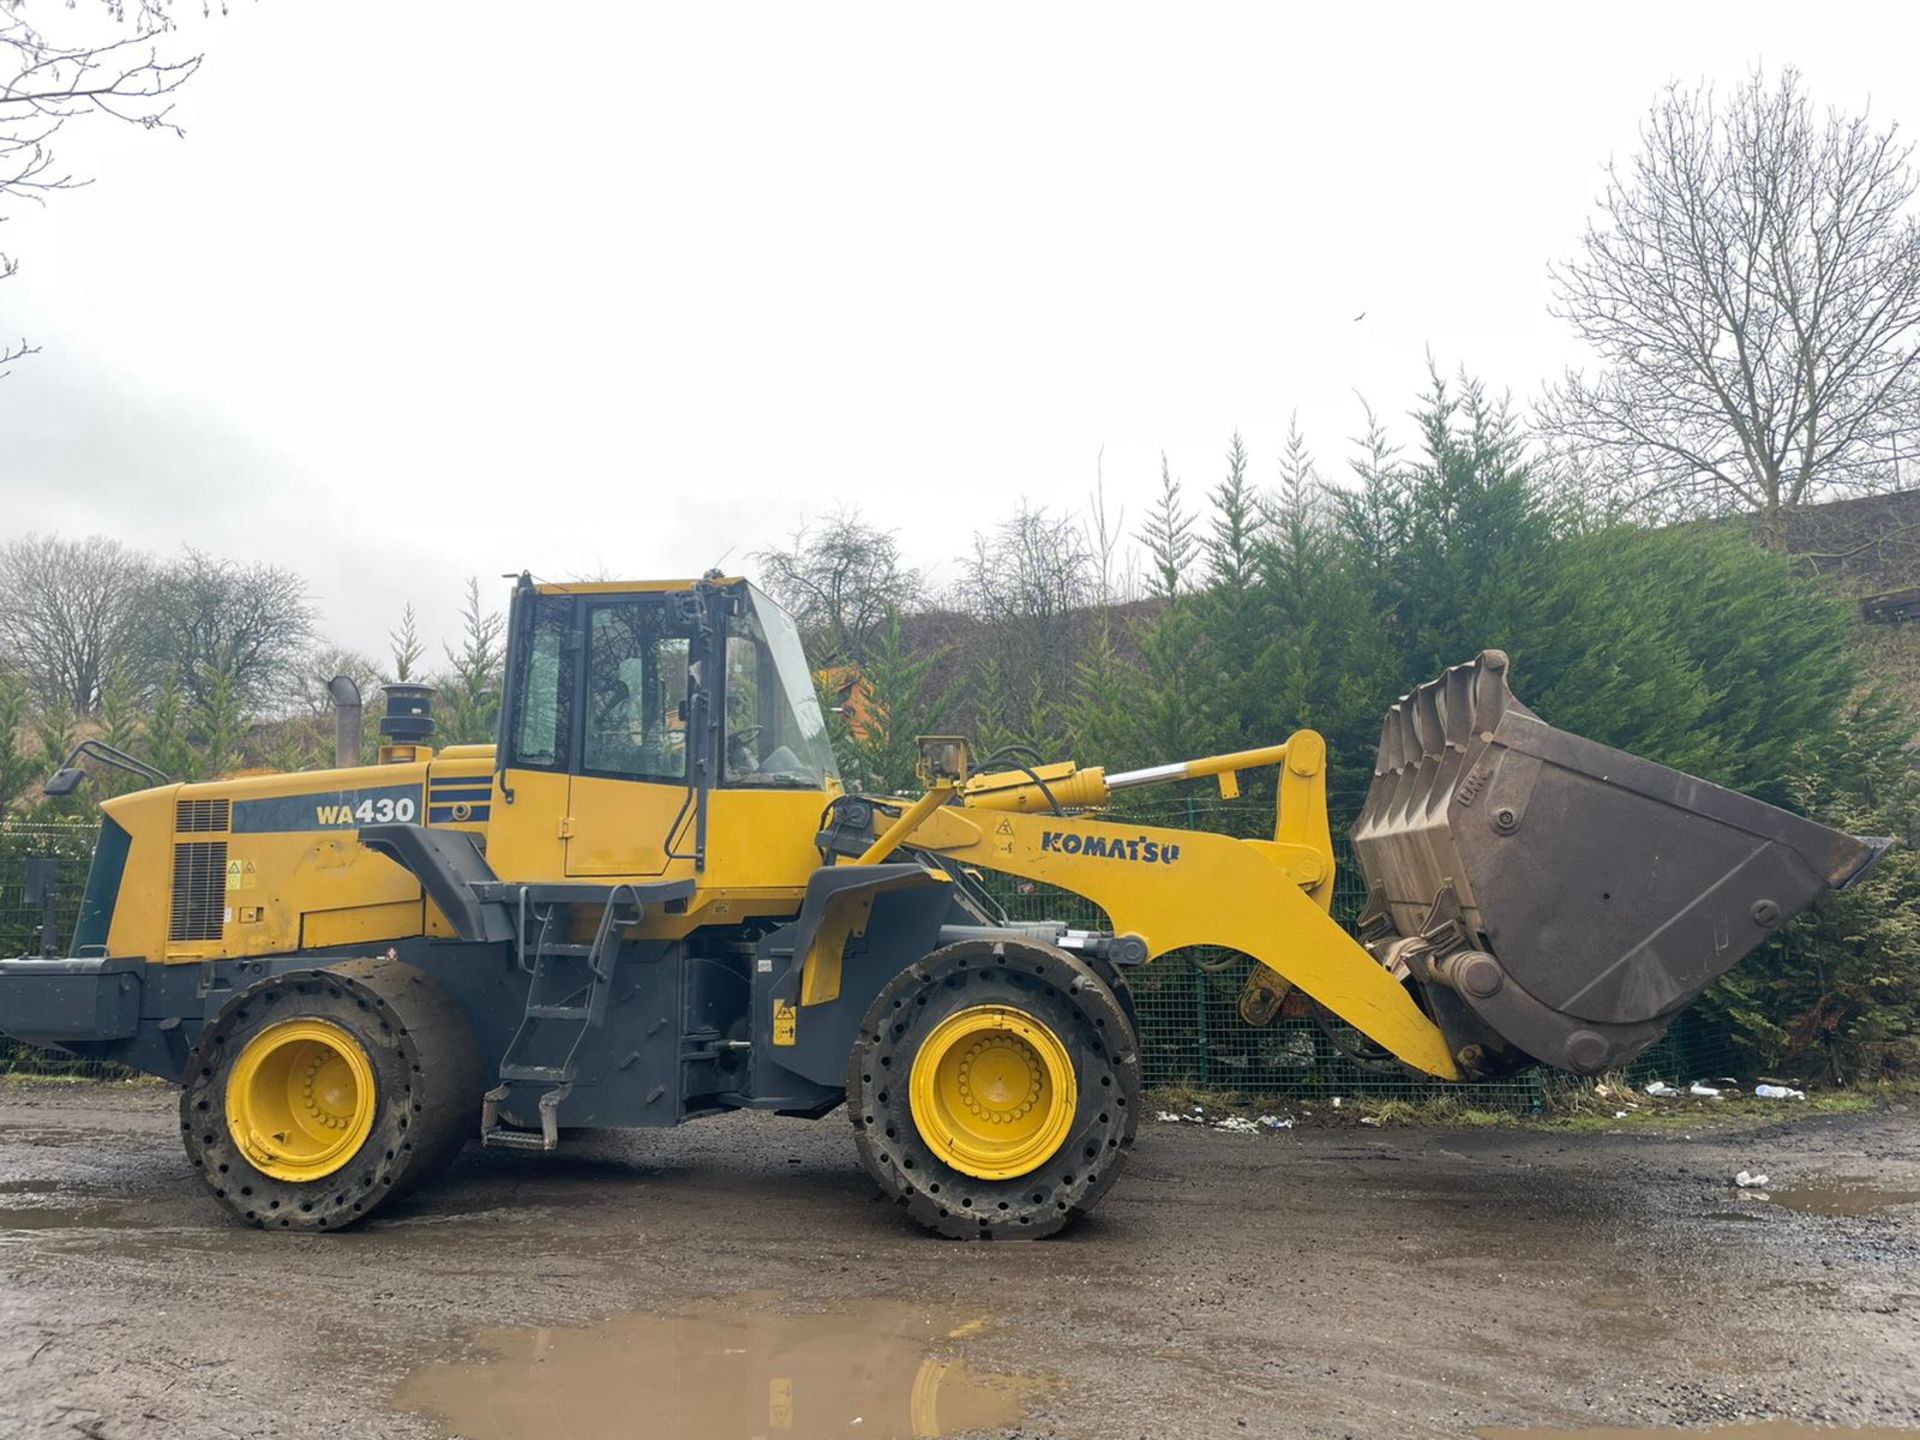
pixel 1747 1180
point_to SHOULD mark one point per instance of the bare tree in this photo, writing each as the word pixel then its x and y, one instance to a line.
pixel 1116 563
pixel 839 580
pixel 69 614
pixel 317 669
pixel 1032 579
pixel 215 622
pixel 1034 566
pixel 126 72
pixel 1752 288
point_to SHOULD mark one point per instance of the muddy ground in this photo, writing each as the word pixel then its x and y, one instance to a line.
pixel 1341 1282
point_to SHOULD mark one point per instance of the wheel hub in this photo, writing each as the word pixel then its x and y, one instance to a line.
pixel 1000 1079
pixel 993 1091
pixel 301 1099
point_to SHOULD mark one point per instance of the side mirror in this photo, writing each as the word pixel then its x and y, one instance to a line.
pixel 942 757
pixel 65 781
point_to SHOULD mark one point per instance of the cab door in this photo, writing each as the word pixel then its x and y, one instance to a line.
pixel 528 820
pixel 631 797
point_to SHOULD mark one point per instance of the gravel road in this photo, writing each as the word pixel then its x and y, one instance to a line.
pixel 739 1277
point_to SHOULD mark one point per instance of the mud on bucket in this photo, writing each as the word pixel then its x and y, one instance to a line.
pixel 1557 900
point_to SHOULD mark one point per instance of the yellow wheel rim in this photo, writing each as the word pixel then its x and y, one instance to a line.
pixel 993 1092
pixel 301 1099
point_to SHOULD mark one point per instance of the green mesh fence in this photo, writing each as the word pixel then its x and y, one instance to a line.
pixel 1192 1036
pixel 70 845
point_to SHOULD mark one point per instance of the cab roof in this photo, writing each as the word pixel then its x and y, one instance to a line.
pixel 625 587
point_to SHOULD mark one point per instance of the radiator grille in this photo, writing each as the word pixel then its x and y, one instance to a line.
pixel 199 890
pixel 194 817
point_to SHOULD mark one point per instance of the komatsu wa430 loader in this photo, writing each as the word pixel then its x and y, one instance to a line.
pixel 653 900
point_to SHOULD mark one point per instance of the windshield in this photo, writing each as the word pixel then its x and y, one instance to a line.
pixel 775 731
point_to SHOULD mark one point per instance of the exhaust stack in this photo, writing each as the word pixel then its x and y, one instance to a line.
pixel 1557 900
pixel 346 721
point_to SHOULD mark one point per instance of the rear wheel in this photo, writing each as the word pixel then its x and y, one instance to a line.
pixel 317 1096
pixel 995 1089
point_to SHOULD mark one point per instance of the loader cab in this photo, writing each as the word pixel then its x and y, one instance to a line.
pixel 628 707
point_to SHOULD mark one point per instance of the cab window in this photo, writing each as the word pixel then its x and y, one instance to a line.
pixel 636 692
pixel 776 735
pixel 543 715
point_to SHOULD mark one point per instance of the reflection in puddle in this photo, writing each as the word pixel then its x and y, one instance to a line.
pixel 718 1371
pixel 1841 1195
pixel 1758 1430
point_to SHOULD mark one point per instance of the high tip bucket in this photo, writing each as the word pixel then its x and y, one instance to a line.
pixel 1559 900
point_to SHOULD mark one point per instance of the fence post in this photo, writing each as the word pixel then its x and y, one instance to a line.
pixel 1200 1022
pixel 43 873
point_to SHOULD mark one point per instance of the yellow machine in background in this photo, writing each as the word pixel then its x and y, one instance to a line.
pixel 653 900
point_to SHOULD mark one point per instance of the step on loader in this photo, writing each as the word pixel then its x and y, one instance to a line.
pixel 654 900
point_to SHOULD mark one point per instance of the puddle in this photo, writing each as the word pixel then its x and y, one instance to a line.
pixel 1631 1314
pixel 51 1187
pixel 1616 1302
pixel 63 1137
pixel 1758 1430
pixel 1841 1195
pixel 725 1371
pixel 15 1218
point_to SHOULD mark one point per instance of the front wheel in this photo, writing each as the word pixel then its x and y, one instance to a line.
pixel 317 1096
pixel 995 1089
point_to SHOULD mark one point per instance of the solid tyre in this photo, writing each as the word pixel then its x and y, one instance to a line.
pixel 396 1027
pixel 1062 999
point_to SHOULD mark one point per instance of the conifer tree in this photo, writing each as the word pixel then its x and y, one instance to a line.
pixel 17 768
pixel 1168 536
pixel 470 694
pixel 894 707
pixel 404 640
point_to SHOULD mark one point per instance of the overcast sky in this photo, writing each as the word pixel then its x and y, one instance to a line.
pixel 432 290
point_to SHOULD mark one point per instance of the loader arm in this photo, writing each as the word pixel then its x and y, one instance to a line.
pixel 1548 900
pixel 1180 888
pixel 1174 889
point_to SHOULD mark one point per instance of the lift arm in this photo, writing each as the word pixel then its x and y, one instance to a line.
pixel 1550 900
pixel 1174 889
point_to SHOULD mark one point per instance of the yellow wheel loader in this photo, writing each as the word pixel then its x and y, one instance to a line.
pixel 653 900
